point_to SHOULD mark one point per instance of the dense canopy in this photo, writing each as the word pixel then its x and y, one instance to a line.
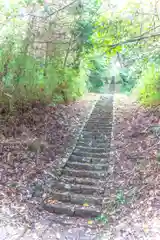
pixel 56 51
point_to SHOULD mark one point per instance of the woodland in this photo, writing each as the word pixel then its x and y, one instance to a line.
pixel 55 52
pixel 55 59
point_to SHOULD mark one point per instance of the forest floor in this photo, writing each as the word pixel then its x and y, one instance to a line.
pixel 134 200
pixel 34 141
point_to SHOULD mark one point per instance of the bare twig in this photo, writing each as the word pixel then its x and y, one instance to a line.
pixel 134 40
pixel 61 9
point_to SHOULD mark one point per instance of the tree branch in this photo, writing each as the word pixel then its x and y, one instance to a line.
pixel 134 40
pixel 61 9
pixel 150 30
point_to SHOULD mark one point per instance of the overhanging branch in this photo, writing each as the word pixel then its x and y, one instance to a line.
pixel 61 9
pixel 134 40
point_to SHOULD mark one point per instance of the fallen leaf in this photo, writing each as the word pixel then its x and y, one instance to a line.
pixel 145 228
pixel 52 201
pixel 90 222
pixel 85 205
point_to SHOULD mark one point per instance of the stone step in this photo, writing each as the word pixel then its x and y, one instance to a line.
pixel 96 136
pixel 100 125
pixel 87 212
pixel 103 110
pixel 98 111
pixel 98 133
pixel 83 181
pixel 101 117
pixel 96 129
pixel 94 126
pixel 104 119
pixel 92 143
pixel 97 118
pixel 95 139
pixel 87 166
pixel 59 207
pixel 72 210
pixel 94 160
pixel 101 114
pixel 78 152
pixel 78 188
pixel 99 121
pixel 77 198
pixel 91 149
pixel 85 174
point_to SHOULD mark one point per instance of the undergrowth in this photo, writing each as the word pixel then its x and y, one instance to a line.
pixel 148 86
pixel 26 79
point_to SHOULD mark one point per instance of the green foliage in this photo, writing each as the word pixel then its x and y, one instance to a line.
pixel 127 79
pixel 120 198
pixel 84 30
pixel 142 76
pixel 102 218
pixel 97 71
pixel 129 76
pixel 148 87
pixel 24 80
pixel 85 59
pixel 121 27
pixel 94 64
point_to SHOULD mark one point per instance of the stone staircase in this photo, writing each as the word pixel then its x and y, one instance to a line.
pixel 79 190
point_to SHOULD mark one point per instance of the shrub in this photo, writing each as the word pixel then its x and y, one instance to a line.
pixel 148 87
pixel 97 71
pixel 25 79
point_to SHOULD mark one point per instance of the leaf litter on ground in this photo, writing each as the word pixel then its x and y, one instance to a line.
pixel 136 172
pixel 32 142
